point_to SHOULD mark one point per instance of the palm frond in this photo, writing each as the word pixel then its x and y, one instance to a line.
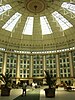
pixel 6 78
pixel 2 79
pixel 49 79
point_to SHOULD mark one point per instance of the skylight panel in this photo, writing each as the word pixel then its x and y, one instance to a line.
pixel 5 8
pixel 46 29
pixel 28 28
pixel 62 21
pixel 10 24
pixel 69 6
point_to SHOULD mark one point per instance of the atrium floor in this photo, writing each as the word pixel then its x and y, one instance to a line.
pixel 60 94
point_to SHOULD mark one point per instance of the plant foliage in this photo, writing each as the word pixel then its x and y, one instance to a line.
pixel 49 79
pixel 6 79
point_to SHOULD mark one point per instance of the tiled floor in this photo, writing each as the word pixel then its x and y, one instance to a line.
pixel 60 94
pixel 14 93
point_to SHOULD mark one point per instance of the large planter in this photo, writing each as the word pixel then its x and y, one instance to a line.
pixel 5 91
pixel 50 93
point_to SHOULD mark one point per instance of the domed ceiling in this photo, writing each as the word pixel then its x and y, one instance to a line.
pixel 37 25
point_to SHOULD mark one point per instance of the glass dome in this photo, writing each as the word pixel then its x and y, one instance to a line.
pixel 37 25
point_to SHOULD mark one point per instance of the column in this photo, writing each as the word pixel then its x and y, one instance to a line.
pixel 31 67
pixel 26 68
pixel 18 69
pixel 31 70
pixel 44 63
pixel 44 66
pixel 58 69
pixel 71 65
pixel 57 66
pixel 4 63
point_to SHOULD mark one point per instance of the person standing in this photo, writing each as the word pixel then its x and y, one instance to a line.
pixel 33 86
pixel 24 88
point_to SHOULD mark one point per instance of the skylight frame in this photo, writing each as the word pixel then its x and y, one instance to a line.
pixel 4 8
pixel 45 27
pixel 69 6
pixel 28 27
pixel 64 23
pixel 11 23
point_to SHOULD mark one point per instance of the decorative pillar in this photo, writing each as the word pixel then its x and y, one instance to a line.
pixel 26 69
pixel 31 69
pixel 58 69
pixel 44 66
pixel 44 63
pixel 4 63
pixel 18 69
pixel 57 66
pixel 71 65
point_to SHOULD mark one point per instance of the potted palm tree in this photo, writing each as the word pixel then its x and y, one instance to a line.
pixel 50 91
pixel 6 87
